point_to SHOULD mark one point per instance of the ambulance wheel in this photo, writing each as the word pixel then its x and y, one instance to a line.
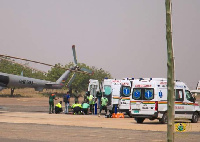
pixel 195 117
pixel 163 120
pixel 139 120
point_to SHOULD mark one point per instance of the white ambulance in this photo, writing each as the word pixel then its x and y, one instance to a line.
pixel 114 90
pixel 149 100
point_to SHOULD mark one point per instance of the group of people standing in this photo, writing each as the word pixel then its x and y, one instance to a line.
pixel 58 107
pixel 85 108
pixel 93 100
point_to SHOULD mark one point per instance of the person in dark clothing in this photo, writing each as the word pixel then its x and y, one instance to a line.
pixel 86 96
pixel 76 96
pixel 66 99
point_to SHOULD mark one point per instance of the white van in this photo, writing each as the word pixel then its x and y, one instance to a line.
pixel 149 100
pixel 116 90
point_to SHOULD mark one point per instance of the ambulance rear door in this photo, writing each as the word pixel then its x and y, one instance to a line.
pixel 116 85
pixel 143 102
pixel 107 90
pixel 124 102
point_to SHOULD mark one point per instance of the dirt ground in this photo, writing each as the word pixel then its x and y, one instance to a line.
pixel 27 119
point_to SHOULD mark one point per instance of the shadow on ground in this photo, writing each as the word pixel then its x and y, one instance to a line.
pixel 14 96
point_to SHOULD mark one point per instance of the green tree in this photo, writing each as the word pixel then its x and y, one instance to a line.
pixel 81 80
pixel 100 74
pixel 55 72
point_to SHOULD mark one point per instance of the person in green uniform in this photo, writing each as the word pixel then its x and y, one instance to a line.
pixel 104 103
pixel 52 97
pixel 85 107
pixel 91 103
pixel 76 96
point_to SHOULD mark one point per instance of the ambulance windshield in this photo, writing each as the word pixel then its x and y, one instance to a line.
pixel 143 93
pixel 125 91
pixel 107 90
pixel 189 96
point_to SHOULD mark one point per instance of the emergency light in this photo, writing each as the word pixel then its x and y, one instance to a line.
pixel 141 79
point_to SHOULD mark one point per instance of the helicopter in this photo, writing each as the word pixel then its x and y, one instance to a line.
pixel 16 81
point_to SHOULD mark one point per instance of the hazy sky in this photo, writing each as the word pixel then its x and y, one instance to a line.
pixel 125 37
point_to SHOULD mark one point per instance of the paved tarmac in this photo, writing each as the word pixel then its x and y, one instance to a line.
pixel 27 120
pixel 55 133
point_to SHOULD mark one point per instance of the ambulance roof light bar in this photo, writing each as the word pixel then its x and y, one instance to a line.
pixel 128 78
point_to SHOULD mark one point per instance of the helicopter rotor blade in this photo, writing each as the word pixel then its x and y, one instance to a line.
pixel 74 54
pixel 26 60
pixel 86 70
pixel 12 61
pixel 71 80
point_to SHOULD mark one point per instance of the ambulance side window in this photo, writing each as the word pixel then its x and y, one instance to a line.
pixel 179 95
pixel 107 89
